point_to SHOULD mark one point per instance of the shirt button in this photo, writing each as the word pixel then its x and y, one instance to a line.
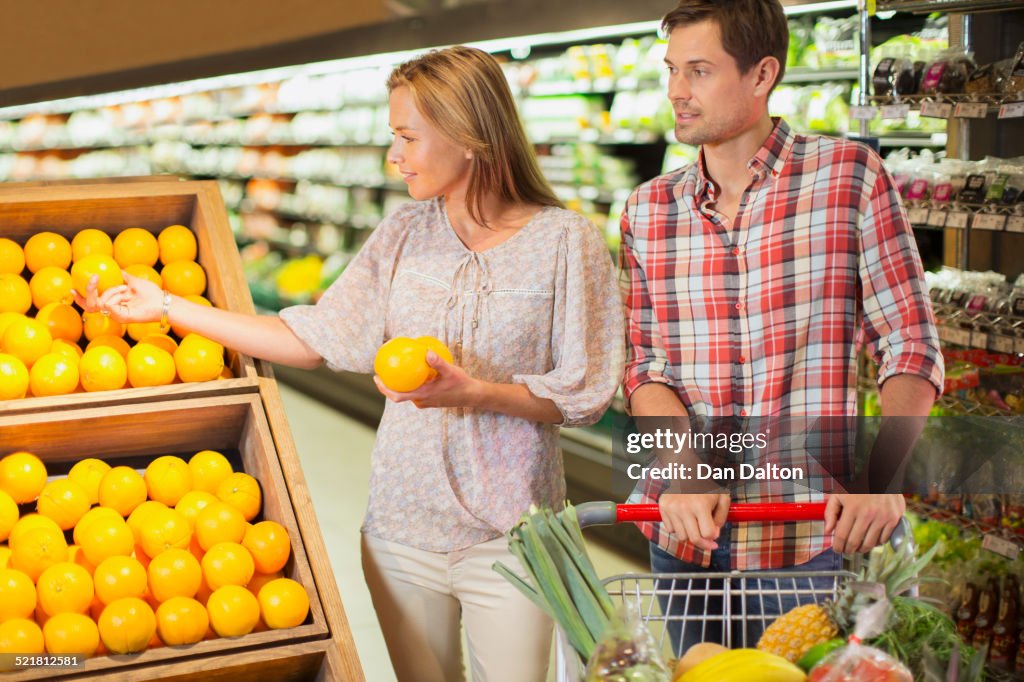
pixel 735 251
pixel 743 413
pixel 739 306
pixel 742 360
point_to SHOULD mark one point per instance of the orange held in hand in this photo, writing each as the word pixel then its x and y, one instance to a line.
pixel 104 267
pixel 401 363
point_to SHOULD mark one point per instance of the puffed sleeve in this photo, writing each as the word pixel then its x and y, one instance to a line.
pixel 346 326
pixel 588 345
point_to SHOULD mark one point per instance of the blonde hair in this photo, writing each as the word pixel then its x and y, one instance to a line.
pixel 462 91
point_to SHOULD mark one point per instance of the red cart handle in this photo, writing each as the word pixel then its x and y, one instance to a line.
pixel 738 513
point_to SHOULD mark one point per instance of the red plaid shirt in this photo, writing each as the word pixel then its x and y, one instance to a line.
pixel 764 319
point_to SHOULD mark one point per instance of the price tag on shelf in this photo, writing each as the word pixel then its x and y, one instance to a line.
pixel 863 113
pixel 1001 546
pixel 936 218
pixel 979 340
pixel 1015 223
pixel 918 216
pixel 895 111
pixel 971 110
pixel 937 109
pixel 958 219
pixel 956 336
pixel 1000 343
pixel 1012 110
pixel 988 221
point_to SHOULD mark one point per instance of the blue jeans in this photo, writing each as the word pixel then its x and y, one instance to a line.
pixel 693 615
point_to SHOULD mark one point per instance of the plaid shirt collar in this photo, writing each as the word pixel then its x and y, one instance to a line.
pixel 768 162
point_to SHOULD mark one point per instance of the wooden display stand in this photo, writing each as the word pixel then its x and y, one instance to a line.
pixel 243 417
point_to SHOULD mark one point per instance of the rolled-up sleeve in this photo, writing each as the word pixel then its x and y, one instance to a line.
pixel 647 360
pixel 899 323
pixel 346 326
pixel 588 339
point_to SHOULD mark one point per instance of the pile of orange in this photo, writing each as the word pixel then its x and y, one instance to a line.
pixel 49 347
pixel 117 561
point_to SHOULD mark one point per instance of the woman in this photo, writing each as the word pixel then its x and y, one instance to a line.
pixel 523 293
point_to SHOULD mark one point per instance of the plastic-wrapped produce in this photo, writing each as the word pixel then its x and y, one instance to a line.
pixel 856 662
pixel 627 652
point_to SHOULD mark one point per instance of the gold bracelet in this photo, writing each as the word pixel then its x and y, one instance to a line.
pixel 165 312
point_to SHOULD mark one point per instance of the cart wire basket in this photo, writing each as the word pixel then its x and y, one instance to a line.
pixel 729 608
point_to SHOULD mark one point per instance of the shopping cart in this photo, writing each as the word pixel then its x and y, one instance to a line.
pixel 659 595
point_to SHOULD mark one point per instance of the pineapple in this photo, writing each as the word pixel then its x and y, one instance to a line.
pixel 888 573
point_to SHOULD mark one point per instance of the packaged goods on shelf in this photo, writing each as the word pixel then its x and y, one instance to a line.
pixel 926 176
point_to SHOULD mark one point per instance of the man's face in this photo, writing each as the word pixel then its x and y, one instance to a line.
pixel 712 100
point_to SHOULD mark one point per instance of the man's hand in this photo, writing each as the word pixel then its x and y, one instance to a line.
pixel 697 518
pixel 862 522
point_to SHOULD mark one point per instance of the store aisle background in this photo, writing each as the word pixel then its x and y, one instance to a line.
pixel 335 453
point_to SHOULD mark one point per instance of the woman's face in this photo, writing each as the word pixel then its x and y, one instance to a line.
pixel 430 163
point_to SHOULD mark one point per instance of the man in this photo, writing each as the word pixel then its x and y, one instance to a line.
pixel 748 277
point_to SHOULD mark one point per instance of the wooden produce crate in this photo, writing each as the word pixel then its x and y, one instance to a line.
pixel 134 435
pixel 152 204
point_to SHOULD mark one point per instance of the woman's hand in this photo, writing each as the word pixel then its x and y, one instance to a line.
pixel 137 300
pixel 452 387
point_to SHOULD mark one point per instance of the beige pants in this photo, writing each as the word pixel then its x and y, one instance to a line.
pixel 421 597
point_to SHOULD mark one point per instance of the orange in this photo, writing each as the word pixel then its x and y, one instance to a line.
pixel 110 341
pixel 89 241
pixel 17 595
pixel 135 246
pixel 22 476
pixel 209 468
pixel 122 489
pixel 50 284
pixel 5 556
pixel 261 579
pixel 53 374
pixel 77 556
pixel 283 603
pixel 184 278
pixel 268 543
pixel 47 248
pixel 177 243
pixel 20 636
pixel 219 522
pixel 127 625
pixel 182 332
pixel 175 573
pixel 38 550
pixel 62 320
pixel 161 341
pixel 106 537
pixel 92 515
pixel 140 515
pixel 149 365
pixel 71 633
pixel 65 588
pixel 15 294
pixel 193 502
pixel 6 318
pixel 64 501
pixel 439 348
pixel 28 340
pixel 118 577
pixel 140 330
pixel 69 350
pixel 28 523
pixel 401 364
pixel 8 515
pixel 227 563
pixel 165 529
pixel 145 272
pixel 14 378
pixel 96 265
pixel 204 592
pixel 242 492
pixel 102 369
pixel 97 324
pixel 12 257
pixel 198 359
pixel 88 473
pixel 234 611
pixel 181 620
pixel 168 478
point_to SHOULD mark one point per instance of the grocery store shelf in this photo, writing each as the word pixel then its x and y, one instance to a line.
pixel 928 6
pixel 910 139
pixel 962 215
pixel 992 100
pixel 810 75
pixel 963 523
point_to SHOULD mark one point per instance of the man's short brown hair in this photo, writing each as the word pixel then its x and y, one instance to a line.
pixel 750 29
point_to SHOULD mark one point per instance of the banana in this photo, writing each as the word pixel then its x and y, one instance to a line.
pixel 744 665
